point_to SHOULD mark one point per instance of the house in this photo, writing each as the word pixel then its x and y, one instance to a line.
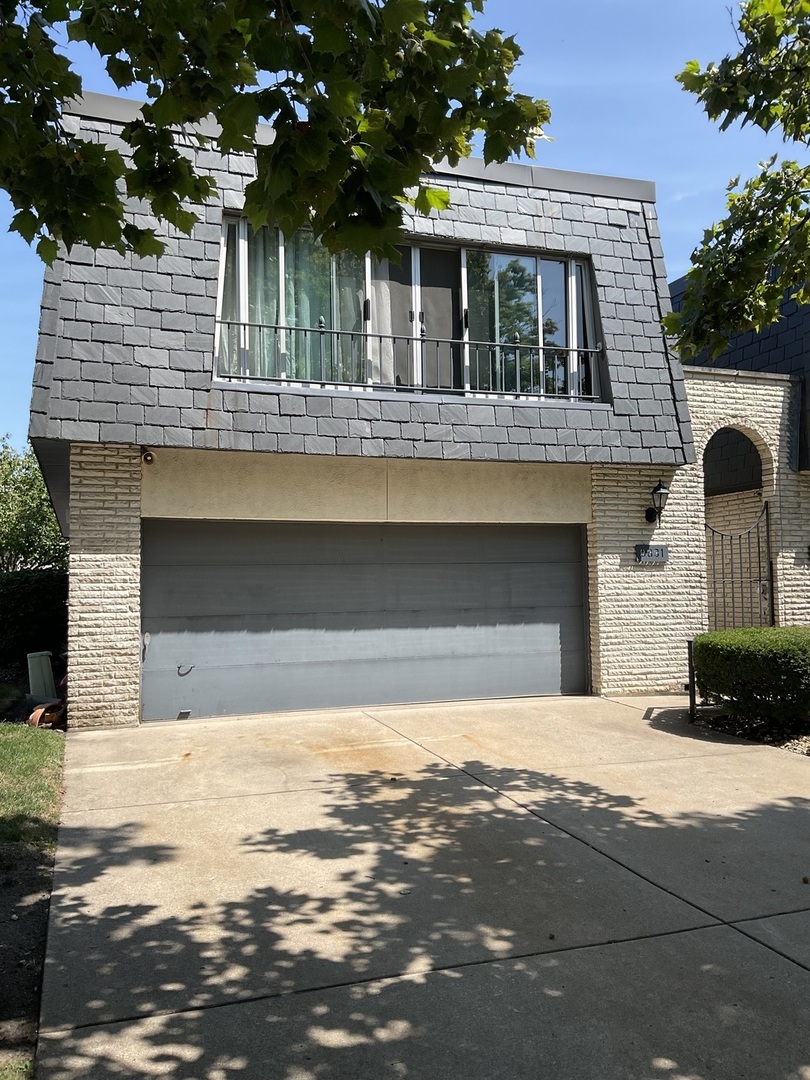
pixel 295 480
pixel 755 466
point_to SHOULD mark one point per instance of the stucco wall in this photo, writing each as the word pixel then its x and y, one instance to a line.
pixel 267 487
pixel 104 587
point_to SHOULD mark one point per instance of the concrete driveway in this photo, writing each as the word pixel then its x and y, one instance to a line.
pixel 558 888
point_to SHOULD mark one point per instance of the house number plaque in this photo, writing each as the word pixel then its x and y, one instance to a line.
pixel 652 553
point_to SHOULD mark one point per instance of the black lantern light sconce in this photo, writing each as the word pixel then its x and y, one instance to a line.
pixel 659 496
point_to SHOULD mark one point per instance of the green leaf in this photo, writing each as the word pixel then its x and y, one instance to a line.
pixel 386 87
pixel 47 249
pixel 26 224
pixel 429 198
pixel 120 72
pixel 329 37
pixel 143 241
pixel 344 96
pixel 399 13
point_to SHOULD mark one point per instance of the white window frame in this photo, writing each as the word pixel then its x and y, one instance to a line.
pixel 574 373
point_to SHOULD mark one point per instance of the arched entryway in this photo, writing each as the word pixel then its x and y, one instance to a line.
pixel 738 555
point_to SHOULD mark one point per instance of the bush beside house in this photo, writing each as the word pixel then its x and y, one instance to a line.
pixel 33 570
pixel 34 606
pixel 762 673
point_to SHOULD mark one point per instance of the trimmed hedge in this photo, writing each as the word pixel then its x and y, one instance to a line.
pixel 762 672
pixel 33 613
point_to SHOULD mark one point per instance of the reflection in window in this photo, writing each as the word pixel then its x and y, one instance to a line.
pixel 443 319
pixel 262 289
pixel 304 328
pixel 509 296
pixel 228 359
pixel 553 278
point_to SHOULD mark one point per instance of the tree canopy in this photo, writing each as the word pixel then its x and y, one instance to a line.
pixel 364 95
pixel 30 538
pixel 760 251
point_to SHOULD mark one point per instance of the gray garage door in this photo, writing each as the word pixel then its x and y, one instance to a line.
pixel 255 617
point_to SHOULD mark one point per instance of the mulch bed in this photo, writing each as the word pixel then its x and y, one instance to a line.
pixel 797 741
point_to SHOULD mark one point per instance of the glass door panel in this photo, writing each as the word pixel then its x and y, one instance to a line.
pixel 392 320
pixel 348 294
pixel 262 298
pixel 503 315
pixel 440 318
pixel 553 288
pixel 323 293
pixel 230 330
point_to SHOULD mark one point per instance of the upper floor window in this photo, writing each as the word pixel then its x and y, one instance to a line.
pixel 455 320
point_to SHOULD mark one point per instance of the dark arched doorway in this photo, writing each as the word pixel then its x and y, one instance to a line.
pixel 738 558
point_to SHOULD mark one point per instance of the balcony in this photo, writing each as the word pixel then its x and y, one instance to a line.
pixel 325 358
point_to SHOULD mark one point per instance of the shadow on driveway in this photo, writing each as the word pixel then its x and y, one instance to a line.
pixel 479 923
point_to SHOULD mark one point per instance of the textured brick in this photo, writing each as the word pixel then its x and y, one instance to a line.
pixel 453 414
pixel 345 407
pixel 104 586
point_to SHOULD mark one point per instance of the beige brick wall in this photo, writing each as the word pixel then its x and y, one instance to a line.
pixel 734 512
pixel 104 590
pixel 642 615
pixel 764 407
pixel 736 562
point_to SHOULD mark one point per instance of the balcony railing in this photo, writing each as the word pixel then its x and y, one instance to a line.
pixel 317 356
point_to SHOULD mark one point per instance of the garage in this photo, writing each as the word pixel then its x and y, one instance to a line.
pixel 247 617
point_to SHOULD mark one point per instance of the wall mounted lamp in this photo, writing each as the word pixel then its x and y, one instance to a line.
pixel 147 457
pixel 659 496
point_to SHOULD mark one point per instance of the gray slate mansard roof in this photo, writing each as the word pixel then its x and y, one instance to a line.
pixel 125 351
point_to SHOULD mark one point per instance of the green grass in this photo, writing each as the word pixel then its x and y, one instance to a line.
pixel 21 1070
pixel 30 782
pixel 30 777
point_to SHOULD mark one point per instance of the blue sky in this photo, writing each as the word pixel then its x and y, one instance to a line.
pixel 607 69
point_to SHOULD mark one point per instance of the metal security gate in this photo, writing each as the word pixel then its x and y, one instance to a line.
pixel 247 617
pixel 740 576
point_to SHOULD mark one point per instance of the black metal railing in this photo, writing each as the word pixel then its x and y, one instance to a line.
pixel 740 576
pixel 323 357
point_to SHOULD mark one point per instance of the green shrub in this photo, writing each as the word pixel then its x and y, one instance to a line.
pixel 9 695
pixel 763 673
pixel 33 613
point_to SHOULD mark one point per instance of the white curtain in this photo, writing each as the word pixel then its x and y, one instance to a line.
pixel 229 330
pixel 262 291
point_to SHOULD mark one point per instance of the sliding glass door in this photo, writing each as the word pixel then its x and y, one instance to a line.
pixel 442 319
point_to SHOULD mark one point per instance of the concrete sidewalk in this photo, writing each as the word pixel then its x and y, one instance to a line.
pixel 557 888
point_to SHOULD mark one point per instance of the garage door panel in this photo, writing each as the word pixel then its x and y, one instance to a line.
pixel 183 543
pixel 222 691
pixel 490 633
pixel 210 591
pixel 298 629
